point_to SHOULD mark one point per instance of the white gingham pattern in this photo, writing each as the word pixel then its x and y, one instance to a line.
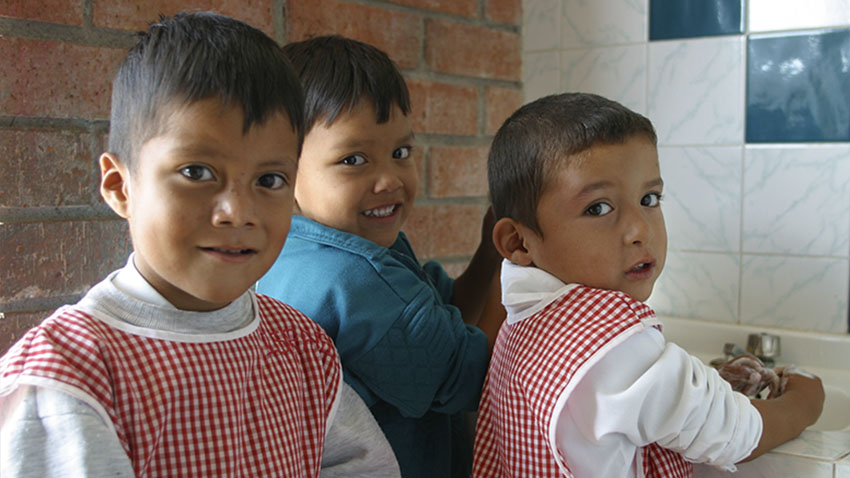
pixel 251 406
pixel 533 361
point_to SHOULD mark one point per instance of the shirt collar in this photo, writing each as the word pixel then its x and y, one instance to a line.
pixel 526 290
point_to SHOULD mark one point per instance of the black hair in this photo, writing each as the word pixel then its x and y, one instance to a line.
pixel 337 72
pixel 541 136
pixel 195 56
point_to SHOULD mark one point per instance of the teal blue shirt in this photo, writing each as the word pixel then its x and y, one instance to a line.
pixel 404 348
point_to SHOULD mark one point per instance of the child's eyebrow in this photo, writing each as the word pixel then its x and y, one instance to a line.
pixel 655 183
pixel 355 143
pixel 204 151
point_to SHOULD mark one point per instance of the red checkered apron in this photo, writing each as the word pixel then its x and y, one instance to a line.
pixel 250 406
pixel 533 362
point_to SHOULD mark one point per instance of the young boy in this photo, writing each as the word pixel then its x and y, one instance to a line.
pixel 581 381
pixel 406 333
pixel 171 366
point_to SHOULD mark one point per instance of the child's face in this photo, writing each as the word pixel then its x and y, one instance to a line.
pixel 358 176
pixel 601 220
pixel 209 207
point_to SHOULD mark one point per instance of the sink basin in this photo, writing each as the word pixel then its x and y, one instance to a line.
pixel 836 410
pixel 824 355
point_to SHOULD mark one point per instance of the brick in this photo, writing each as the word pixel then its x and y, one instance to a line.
pixel 136 15
pixel 47 78
pixel 455 269
pixel 451 230
pixel 466 8
pixel 457 171
pixel 505 11
pixel 442 108
pixel 54 11
pixel 46 168
pixel 470 50
pixel 396 33
pixel 501 103
pixel 15 324
pixel 58 259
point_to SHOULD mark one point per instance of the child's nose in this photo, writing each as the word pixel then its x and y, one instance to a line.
pixel 234 208
pixel 388 180
pixel 638 227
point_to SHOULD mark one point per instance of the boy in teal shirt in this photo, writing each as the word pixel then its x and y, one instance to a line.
pixel 413 341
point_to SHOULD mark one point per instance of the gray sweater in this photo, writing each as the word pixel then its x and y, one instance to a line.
pixel 49 433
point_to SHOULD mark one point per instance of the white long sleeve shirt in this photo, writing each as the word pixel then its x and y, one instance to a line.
pixel 644 390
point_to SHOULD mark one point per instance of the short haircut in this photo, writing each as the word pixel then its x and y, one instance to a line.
pixel 542 136
pixel 195 56
pixel 337 72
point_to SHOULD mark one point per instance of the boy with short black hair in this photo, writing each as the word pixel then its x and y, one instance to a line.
pixel 582 382
pixel 171 366
pixel 413 342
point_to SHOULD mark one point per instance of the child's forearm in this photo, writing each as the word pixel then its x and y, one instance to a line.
pixel 783 419
pixel 493 314
pixel 472 289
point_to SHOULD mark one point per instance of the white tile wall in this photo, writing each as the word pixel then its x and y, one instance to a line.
pixel 603 22
pixel 614 72
pixel 768 15
pixel 696 90
pixel 698 285
pixel 794 292
pixel 758 234
pixel 702 196
pixel 797 200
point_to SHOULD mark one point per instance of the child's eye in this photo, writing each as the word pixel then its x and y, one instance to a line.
pixel 353 160
pixel 651 200
pixel 402 153
pixel 197 172
pixel 599 209
pixel 272 181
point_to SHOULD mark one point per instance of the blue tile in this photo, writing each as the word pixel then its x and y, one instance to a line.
pixel 798 87
pixel 670 19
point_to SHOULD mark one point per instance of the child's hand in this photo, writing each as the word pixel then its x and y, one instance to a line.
pixel 810 390
pixel 748 375
pixel 487 247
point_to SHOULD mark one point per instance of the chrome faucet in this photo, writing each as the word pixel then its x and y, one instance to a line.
pixel 764 346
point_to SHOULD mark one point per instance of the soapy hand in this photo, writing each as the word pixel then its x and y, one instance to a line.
pixel 748 375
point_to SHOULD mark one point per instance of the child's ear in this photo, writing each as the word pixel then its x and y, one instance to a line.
pixel 509 238
pixel 114 181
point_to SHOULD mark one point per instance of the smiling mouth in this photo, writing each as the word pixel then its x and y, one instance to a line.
pixel 228 251
pixel 383 211
pixel 641 267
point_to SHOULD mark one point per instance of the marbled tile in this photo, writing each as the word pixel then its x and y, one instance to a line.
pixel 798 87
pixel 602 22
pixel 773 466
pixel 618 73
pixel 541 24
pixel 540 75
pixel 696 89
pixel 818 445
pixel 795 292
pixel 702 197
pixel 797 200
pixel 698 285
pixel 769 15
pixel 672 19
pixel 842 469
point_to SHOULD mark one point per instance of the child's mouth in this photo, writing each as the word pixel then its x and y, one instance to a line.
pixel 227 251
pixel 641 271
pixel 383 211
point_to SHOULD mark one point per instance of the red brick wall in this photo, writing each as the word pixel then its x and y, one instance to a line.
pixel 461 59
